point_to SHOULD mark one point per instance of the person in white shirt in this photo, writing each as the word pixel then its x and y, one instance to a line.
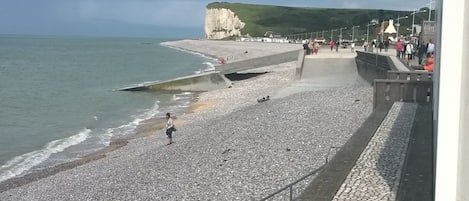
pixel 430 48
pixel 409 50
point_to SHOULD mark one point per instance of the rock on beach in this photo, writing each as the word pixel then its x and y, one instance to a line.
pixel 231 148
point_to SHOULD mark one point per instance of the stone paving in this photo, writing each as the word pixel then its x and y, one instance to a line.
pixel 377 172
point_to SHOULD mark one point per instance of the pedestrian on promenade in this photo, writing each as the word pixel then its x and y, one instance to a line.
pixel 409 50
pixel 311 46
pixel 365 46
pixel 316 47
pixel 169 128
pixel 352 46
pixel 430 48
pixel 421 51
pixel 399 48
pixel 332 45
pixel 337 46
pixel 386 45
pixel 306 47
pixel 381 46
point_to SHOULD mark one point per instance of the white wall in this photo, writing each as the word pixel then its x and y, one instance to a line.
pixel 463 174
pixel 452 162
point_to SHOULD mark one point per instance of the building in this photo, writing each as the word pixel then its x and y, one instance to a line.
pixel 451 105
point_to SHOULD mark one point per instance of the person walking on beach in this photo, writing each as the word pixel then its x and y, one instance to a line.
pixel 332 45
pixel 169 128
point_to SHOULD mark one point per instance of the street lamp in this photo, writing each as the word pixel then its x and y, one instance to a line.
pixel 368 29
pixel 323 34
pixel 340 37
pixel 353 32
pixel 413 18
pixel 332 34
pixel 430 10
pixel 398 25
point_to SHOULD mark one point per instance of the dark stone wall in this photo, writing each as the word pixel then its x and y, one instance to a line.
pixel 372 66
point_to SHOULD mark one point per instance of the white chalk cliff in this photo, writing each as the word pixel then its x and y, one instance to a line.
pixel 221 23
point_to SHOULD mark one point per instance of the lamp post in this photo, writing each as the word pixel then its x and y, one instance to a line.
pixel 368 30
pixel 430 10
pixel 353 33
pixel 398 25
pixel 413 18
pixel 340 37
pixel 323 34
pixel 332 34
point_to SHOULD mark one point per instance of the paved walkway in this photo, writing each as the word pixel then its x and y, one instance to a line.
pixel 376 174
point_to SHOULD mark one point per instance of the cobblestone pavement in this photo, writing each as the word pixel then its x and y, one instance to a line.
pixel 376 173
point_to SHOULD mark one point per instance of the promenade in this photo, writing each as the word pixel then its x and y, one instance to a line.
pixel 376 163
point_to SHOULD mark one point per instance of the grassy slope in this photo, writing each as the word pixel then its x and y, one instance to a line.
pixel 288 20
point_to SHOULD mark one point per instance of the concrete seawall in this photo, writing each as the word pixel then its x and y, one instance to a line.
pixel 259 62
pixel 200 82
pixel 373 66
pixel 216 79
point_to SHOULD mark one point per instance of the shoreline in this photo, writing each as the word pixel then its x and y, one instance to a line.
pixel 150 127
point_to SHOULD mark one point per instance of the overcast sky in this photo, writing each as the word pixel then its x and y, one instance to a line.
pixel 146 18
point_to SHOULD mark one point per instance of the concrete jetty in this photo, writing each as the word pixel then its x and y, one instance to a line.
pixel 215 79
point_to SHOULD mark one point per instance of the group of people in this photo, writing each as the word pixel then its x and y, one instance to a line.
pixel 311 47
pixel 377 44
pixel 403 49
pixel 411 49
pixel 421 49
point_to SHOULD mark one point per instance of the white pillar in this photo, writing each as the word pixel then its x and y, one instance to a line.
pixel 452 102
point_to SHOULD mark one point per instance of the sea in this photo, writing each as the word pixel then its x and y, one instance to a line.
pixel 59 97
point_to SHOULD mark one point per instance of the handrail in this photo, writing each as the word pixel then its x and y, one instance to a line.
pixel 290 186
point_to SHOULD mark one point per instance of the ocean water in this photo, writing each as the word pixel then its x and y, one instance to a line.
pixel 58 100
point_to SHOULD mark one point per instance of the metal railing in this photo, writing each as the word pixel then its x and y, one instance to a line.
pixel 290 186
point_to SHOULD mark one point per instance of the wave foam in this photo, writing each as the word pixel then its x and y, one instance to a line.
pixel 25 162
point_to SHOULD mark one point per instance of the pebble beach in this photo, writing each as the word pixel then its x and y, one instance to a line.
pixel 227 147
